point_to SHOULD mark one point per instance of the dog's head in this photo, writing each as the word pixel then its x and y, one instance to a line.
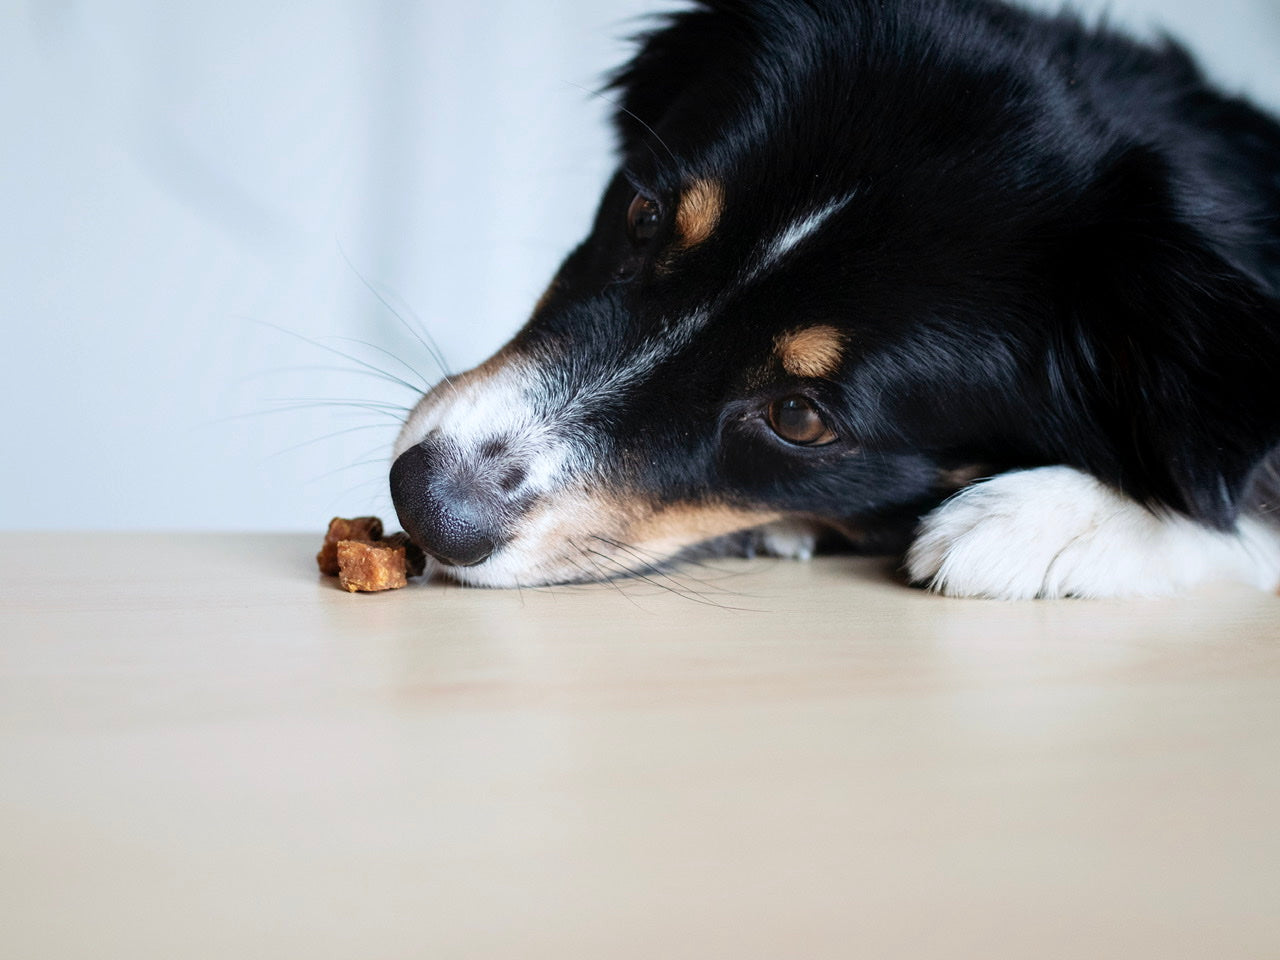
pixel 852 250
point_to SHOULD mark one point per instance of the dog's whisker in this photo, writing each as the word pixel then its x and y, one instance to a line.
pixel 687 593
pixel 690 557
pixel 683 558
pixel 343 469
pixel 657 565
pixel 703 563
pixel 319 345
pixel 351 490
pixel 619 107
pixel 299 407
pixel 341 402
pixel 603 576
pixel 423 336
pixel 684 593
pixel 426 384
pixel 329 436
pixel 277 371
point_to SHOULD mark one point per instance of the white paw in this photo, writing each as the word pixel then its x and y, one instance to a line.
pixel 791 539
pixel 1057 532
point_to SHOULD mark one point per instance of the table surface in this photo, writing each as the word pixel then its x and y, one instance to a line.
pixel 210 751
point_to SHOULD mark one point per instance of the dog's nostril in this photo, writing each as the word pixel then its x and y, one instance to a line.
pixel 439 513
pixel 492 450
pixel 512 479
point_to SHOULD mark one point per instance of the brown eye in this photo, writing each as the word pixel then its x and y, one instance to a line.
pixel 643 218
pixel 796 420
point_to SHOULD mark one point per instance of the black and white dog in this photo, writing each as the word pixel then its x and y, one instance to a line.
pixel 998 290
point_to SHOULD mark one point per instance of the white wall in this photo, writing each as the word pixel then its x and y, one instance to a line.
pixel 182 187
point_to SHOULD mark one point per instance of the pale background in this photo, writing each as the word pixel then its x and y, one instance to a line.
pixel 188 191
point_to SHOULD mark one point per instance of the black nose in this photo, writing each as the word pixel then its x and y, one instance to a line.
pixel 441 508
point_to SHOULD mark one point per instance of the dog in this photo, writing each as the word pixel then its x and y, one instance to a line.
pixel 994 290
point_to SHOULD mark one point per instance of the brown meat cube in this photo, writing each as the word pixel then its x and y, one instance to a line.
pixel 415 561
pixel 340 528
pixel 368 567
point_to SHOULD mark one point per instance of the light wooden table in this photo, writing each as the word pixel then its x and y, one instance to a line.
pixel 208 751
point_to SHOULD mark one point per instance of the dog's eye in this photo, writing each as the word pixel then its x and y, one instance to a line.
pixel 643 218
pixel 796 420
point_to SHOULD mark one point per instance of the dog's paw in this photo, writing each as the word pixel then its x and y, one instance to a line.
pixel 790 539
pixel 1057 532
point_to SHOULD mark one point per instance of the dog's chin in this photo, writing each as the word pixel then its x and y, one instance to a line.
pixel 609 559
pixel 603 561
pixel 508 569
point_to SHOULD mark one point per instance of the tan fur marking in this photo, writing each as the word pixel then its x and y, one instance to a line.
pixel 584 535
pixel 484 371
pixel 669 529
pixel 546 296
pixel 810 351
pixel 963 476
pixel 701 204
pixel 599 536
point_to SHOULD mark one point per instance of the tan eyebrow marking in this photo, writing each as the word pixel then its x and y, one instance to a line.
pixel 811 351
pixel 701 204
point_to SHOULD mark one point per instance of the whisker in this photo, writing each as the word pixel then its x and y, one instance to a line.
pixel 277 371
pixel 691 556
pixel 385 498
pixel 629 572
pixel 336 352
pixel 656 565
pixel 343 469
pixel 606 577
pixel 328 436
pixel 296 407
pixel 656 560
pixel 341 402
pixel 691 595
pixel 423 336
pixel 426 384
pixel 618 106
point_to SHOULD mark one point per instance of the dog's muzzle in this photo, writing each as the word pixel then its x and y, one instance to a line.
pixel 448 508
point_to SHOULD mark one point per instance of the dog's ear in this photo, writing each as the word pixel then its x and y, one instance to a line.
pixel 686 47
pixel 1171 348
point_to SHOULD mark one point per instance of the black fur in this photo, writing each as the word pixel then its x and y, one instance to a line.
pixel 1069 248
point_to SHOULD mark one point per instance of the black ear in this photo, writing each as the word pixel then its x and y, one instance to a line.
pixel 1173 349
pixel 684 49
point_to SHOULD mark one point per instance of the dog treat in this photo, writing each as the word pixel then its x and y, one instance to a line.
pixel 415 561
pixel 368 566
pixel 363 560
pixel 340 528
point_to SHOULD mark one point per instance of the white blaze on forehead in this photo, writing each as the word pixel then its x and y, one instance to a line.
pixel 797 232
